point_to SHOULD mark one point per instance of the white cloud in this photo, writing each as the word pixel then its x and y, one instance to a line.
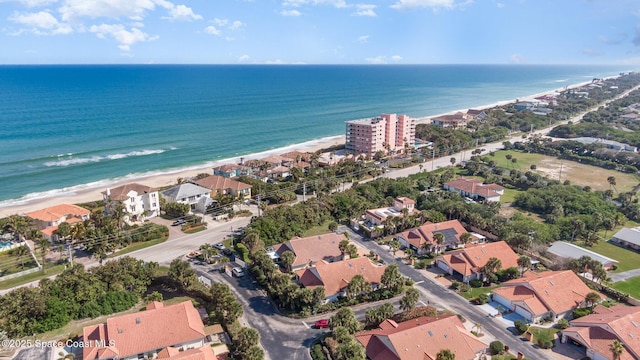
pixel 212 30
pixel 396 58
pixel 32 3
pixel 40 23
pixel 290 13
pixel 125 38
pixel 517 59
pixel 182 13
pixel 236 25
pixel 298 3
pixel 365 10
pixel 377 60
pixel 132 9
pixel 220 22
pixel 363 39
pixel 243 58
pixel 433 4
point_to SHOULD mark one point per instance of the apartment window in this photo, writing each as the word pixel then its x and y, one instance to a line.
pixel 132 199
pixel 133 208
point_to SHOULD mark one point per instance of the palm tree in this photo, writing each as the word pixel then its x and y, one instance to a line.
pixel 438 237
pixel 20 252
pixel 452 161
pixel 478 328
pixel 616 349
pixel 44 245
pixel 445 354
pixel 524 262
pixel 466 237
pixel 592 298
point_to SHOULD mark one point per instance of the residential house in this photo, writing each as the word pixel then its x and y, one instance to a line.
pixel 186 193
pixel 569 251
pixel 232 170
pixel 298 156
pixel 222 185
pixel 47 220
pixel 525 105
pixel 476 115
pixel 595 332
pixel 420 339
pixel 335 276
pixel 377 216
pixel 475 189
pixel 548 295
pixel 466 264
pixel 309 250
pixel 628 237
pixel 140 201
pixel 201 353
pixel 416 238
pixel 169 331
pixel 458 120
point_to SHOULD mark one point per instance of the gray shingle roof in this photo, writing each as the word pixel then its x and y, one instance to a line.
pixel 185 190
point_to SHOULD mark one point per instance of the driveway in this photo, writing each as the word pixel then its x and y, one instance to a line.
pixel 615 277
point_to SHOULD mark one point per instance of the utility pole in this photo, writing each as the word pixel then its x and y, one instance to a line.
pixel 70 255
pixel 433 156
pixel 259 205
pixel 560 174
pixel 304 191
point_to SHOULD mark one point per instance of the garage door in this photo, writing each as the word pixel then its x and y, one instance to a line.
pixel 523 312
pixel 443 266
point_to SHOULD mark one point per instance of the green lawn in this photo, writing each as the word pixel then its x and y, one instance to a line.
pixel 469 295
pixel 627 259
pixel 38 275
pixel 11 264
pixel 138 246
pixel 318 230
pixel 630 286
pixel 509 195
pixel 577 173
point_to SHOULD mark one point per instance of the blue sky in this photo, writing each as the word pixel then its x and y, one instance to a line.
pixel 320 31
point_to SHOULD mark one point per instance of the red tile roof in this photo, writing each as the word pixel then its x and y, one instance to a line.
pixel 201 353
pixel 144 331
pixel 474 186
pixel 557 291
pixel 57 212
pixel 121 192
pixel 313 248
pixel 424 234
pixel 336 276
pixel 623 322
pixel 420 338
pixel 473 257
pixel 217 182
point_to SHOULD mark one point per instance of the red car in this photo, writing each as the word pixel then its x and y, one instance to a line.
pixel 322 324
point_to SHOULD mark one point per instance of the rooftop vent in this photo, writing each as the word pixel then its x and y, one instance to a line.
pixel 430 333
pixel 137 320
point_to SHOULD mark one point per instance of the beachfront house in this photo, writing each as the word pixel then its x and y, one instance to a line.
pixel 223 186
pixel 140 202
pixel 458 120
pixel 47 220
pixel 232 170
pixel 186 193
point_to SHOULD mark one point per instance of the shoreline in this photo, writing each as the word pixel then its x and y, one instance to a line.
pixel 92 191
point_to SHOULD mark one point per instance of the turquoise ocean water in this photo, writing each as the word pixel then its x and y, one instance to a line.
pixel 68 127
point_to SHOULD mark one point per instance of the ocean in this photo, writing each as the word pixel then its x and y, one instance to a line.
pixel 65 128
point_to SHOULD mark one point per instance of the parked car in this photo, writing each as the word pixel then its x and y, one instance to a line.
pixel 322 324
pixel 179 222
pixel 237 272
pixel 227 252
pixel 219 246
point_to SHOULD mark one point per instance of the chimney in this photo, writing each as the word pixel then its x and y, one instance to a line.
pixel 241 161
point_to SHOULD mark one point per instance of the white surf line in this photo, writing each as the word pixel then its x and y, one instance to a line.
pixel 305 325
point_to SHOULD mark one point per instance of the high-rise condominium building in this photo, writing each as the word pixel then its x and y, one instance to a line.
pixel 387 132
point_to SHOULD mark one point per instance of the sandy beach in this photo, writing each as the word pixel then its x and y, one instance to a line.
pixel 93 193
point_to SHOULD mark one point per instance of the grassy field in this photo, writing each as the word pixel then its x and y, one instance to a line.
pixel 579 174
pixel 630 286
pixel 628 259
pixel 11 264
pixel 318 230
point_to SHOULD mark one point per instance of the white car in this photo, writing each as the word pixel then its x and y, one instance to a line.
pixel 237 272
pixel 219 246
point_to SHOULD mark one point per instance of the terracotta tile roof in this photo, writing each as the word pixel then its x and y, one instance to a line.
pixel 474 186
pixel 148 330
pixel 301 165
pixel 559 291
pixel 217 182
pixel 523 295
pixel 405 200
pixel 459 116
pixel 120 193
pixel 597 339
pixel 336 276
pixel 313 248
pixel 473 257
pixel 57 212
pixel 294 155
pixel 623 321
pixel 201 353
pixel 420 338
pixel 424 234
pixel 276 159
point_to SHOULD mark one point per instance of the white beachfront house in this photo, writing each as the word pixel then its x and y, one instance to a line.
pixel 140 201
